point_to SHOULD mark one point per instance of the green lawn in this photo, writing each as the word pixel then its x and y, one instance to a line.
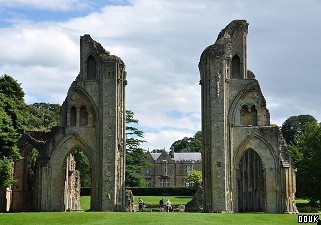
pixel 85 202
pixel 150 201
pixel 153 218
pixel 156 218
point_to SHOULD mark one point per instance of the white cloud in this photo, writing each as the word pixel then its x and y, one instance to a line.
pixel 160 43
pixel 45 46
pixel 61 5
pixel 164 139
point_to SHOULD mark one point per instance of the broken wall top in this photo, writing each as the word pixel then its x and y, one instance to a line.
pixel 222 46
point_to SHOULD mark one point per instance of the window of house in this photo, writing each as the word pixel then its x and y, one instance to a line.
pixel 188 169
pixel 164 167
pixel 186 183
pixel 148 182
pixel 164 182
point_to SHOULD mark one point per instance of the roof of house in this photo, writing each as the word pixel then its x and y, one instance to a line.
pixel 187 156
pixel 181 156
pixel 155 155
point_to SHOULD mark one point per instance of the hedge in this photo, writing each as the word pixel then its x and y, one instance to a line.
pixel 163 191
pixel 85 191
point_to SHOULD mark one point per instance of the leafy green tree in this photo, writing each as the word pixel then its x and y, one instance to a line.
pixel 11 88
pixel 12 125
pixel 293 126
pixel 306 151
pixel 135 155
pixel 189 144
pixel 32 160
pixel 43 116
pixel 83 166
pixel 40 117
pixel 5 172
pixel 194 176
pixel 198 136
pixel 12 98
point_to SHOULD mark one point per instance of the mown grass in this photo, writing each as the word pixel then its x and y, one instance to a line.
pixel 150 201
pixel 85 202
pixel 97 218
pixel 155 218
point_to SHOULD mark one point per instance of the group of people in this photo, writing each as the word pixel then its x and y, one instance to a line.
pixel 168 205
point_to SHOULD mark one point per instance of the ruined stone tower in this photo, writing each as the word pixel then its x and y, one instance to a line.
pixel 93 120
pixel 246 166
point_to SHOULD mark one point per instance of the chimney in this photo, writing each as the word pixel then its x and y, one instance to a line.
pixel 171 153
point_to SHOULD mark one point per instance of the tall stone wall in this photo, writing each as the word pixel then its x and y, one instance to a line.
pixel 242 166
pixel 92 120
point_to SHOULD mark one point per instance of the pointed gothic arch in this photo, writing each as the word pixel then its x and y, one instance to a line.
pixel 57 175
pixel 251 182
pixel 268 158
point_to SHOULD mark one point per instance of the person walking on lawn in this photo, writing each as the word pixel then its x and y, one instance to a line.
pixel 161 205
pixel 168 206
pixel 141 205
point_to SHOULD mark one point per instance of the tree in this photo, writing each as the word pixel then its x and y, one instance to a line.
pixel 40 117
pixel 12 125
pixel 12 98
pixel 305 151
pixel 293 126
pixel 5 172
pixel 189 144
pixel 43 116
pixel 135 155
pixel 83 166
pixel 194 177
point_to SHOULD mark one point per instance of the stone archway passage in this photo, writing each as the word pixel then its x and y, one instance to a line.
pixel 251 182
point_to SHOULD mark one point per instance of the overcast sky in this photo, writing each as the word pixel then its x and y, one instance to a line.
pixel 160 42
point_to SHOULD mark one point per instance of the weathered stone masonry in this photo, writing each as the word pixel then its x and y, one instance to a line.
pixel 246 166
pixel 92 119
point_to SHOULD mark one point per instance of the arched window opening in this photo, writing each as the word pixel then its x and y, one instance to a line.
pixel 248 115
pixel 83 116
pixel 91 68
pixel 250 180
pixel 73 116
pixel 236 67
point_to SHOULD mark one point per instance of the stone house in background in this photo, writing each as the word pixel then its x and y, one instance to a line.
pixel 170 168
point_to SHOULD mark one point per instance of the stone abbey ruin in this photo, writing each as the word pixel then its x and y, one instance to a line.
pixel 93 120
pixel 246 166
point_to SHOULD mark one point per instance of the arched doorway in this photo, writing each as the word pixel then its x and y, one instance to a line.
pixel 77 184
pixel 251 183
